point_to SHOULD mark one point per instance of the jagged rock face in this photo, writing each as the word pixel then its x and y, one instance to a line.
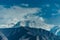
pixel 55 30
pixel 28 34
pixel 2 36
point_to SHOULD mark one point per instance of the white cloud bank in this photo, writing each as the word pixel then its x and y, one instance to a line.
pixel 37 22
pixel 16 13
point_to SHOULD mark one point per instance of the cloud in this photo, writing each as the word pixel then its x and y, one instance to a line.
pixel 58 11
pixel 54 14
pixel 37 22
pixel 57 5
pixel 48 26
pixel 15 13
pixel 23 4
pixel 47 5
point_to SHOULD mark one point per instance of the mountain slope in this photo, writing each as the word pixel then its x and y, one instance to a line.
pixel 23 33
